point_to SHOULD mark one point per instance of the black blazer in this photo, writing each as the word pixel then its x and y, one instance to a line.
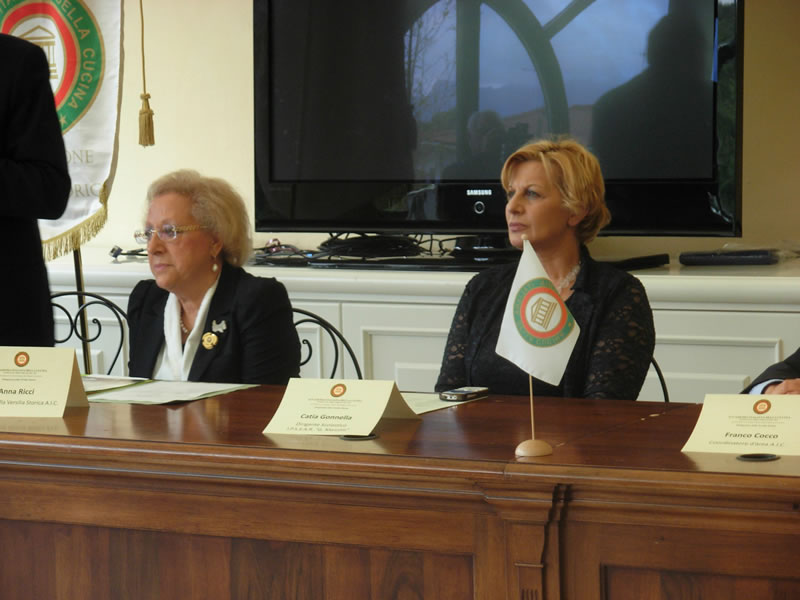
pixel 34 184
pixel 259 343
pixel 786 369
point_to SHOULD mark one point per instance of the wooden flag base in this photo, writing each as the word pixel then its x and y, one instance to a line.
pixel 534 448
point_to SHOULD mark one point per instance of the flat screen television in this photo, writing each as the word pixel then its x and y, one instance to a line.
pixel 396 116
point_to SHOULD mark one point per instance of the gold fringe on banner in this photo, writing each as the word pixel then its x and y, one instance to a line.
pixel 146 132
pixel 72 239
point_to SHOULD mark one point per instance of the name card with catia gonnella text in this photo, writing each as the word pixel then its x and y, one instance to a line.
pixel 337 407
pixel 39 382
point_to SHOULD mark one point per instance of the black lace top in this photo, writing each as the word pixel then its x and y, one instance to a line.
pixel 610 358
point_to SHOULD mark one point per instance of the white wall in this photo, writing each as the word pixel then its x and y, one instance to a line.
pixel 199 74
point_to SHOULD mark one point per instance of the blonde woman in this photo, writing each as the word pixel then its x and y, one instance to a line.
pixel 555 199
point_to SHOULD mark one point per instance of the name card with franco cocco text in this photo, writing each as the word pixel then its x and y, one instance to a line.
pixel 743 424
pixel 39 382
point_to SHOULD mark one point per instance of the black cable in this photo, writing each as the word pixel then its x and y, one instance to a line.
pixel 116 251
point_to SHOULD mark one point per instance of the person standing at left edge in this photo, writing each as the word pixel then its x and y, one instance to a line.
pixel 34 184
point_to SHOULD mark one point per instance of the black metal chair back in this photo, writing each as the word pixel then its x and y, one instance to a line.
pixel 644 262
pixel 306 316
pixel 661 379
pixel 78 321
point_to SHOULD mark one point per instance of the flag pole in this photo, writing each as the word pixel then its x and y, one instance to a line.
pixel 530 392
pixel 530 336
pixel 533 447
pixel 84 328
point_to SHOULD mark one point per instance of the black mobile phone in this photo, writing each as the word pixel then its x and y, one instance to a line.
pixel 464 393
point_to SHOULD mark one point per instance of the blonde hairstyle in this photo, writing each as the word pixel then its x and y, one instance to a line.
pixel 217 207
pixel 575 172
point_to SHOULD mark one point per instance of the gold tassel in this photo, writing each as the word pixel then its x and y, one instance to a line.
pixel 146 133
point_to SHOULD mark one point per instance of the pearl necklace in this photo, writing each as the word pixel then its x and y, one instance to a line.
pixel 184 329
pixel 569 278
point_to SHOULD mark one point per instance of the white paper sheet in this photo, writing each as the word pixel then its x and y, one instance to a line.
pixel 422 402
pixel 99 383
pixel 162 392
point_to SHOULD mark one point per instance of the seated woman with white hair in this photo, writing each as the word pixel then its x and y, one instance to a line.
pixel 203 317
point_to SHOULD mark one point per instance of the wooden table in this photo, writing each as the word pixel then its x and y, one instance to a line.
pixel 193 501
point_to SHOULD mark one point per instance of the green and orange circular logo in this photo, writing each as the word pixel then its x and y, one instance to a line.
pixel 21 359
pixel 762 406
pixel 338 390
pixel 540 315
pixel 71 39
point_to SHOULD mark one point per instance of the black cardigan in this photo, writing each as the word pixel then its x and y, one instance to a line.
pixel 611 356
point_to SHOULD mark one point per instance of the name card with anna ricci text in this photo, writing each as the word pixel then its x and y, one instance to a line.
pixel 39 382
pixel 744 424
pixel 337 407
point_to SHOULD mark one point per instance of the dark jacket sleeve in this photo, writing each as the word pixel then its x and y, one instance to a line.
pixel 34 180
pixel 135 302
pixel 452 373
pixel 623 347
pixel 269 341
pixel 142 327
pixel 786 369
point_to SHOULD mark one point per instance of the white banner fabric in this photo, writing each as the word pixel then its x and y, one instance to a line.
pixel 83 43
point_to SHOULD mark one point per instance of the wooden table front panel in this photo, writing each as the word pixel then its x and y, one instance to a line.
pixel 193 501
pixel 41 560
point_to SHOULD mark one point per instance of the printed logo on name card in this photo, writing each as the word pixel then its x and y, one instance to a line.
pixel 762 406
pixel 21 359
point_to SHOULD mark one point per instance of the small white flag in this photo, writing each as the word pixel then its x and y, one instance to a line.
pixel 538 332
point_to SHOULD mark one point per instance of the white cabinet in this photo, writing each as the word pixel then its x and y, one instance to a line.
pixel 716 327
pixel 718 352
pixel 401 342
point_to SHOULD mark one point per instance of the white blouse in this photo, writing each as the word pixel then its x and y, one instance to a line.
pixel 175 359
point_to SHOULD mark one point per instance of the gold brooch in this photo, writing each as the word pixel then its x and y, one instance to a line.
pixel 209 340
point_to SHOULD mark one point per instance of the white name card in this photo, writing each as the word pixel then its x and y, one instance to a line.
pixel 747 424
pixel 337 407
pixel 39 382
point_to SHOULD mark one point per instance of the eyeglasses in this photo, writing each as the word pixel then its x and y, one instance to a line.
pixel 166 233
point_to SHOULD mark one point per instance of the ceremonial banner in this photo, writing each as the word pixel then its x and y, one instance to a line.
pixel 538 332
pixel 83 43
